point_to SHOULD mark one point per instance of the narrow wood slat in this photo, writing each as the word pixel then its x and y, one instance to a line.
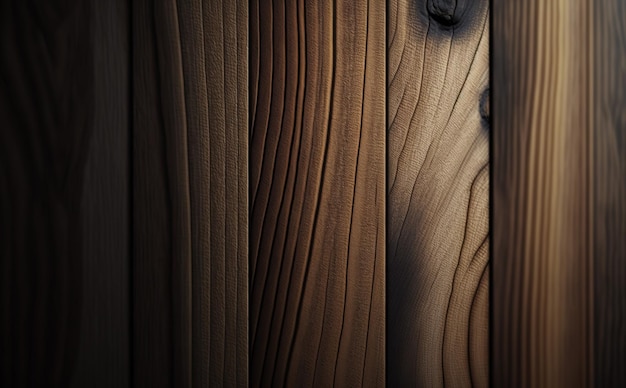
pixel 437 193
pixel 543 177
pixel 190 193
pixel 103 358
pixel 317 193
pixel 609 195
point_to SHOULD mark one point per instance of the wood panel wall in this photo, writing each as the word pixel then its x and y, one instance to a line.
pixel 559 193
pixel 317 193
pixel 280 193
pixel 190 179
pixel 437 193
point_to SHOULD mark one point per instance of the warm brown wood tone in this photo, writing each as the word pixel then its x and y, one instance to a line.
pixel 317 193
pixel 190 193
pixel 438 193
pixel 543 198
pixel 609 196
pixel 46 107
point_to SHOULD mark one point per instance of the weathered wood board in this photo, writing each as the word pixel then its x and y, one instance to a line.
pixel 317 193
pixel 437 193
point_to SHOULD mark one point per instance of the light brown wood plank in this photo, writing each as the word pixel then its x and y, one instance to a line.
pixel 543 194
pixel 190 193
pixel 317 197
pixel 437 193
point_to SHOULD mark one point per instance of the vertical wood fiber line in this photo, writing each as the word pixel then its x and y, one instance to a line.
pixel 317 193
pixel 543 175
pixel 437 193
pixel 609 180
pixel 190 193
pixel 103 354
pixel 46 112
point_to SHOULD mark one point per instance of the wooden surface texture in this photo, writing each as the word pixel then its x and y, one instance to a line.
pixel 281 193
pixel 317 193
pixel 559 199
pixel 609 195
pixel 437 193
pixel 46 112
pixel 103 358
pixel 190 193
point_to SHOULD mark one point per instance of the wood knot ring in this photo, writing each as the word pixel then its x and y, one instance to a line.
pixel 444 12
pixel 484 106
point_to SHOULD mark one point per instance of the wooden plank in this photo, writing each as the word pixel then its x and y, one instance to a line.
pixel 437 193
pixel 46 111
pixel 104 349
pixel 543 177
pixel 190 193
pixel 317 197
pixel 609 182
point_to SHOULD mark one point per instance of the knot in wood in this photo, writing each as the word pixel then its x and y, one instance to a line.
pixel 484 106
pixel 444 12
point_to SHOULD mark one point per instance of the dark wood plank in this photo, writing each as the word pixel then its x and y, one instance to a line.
pixel 317 193
pixel 609 196
pixel 190 193
pixel 437 193
pixel 543 178
pixel 46 112
pixel 104 352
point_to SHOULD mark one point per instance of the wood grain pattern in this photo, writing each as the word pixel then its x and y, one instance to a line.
pixel 103 358
pixel 543 177
pixel 190 193
pixel 609 196
pixel 437 193
pixel 317 193
pixel 46 108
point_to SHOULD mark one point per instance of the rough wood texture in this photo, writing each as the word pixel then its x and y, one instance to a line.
pixel 543 176
pixel 438 193
pixel 609 182
pixel 46 108
pixel 190 193
pixel 317 193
